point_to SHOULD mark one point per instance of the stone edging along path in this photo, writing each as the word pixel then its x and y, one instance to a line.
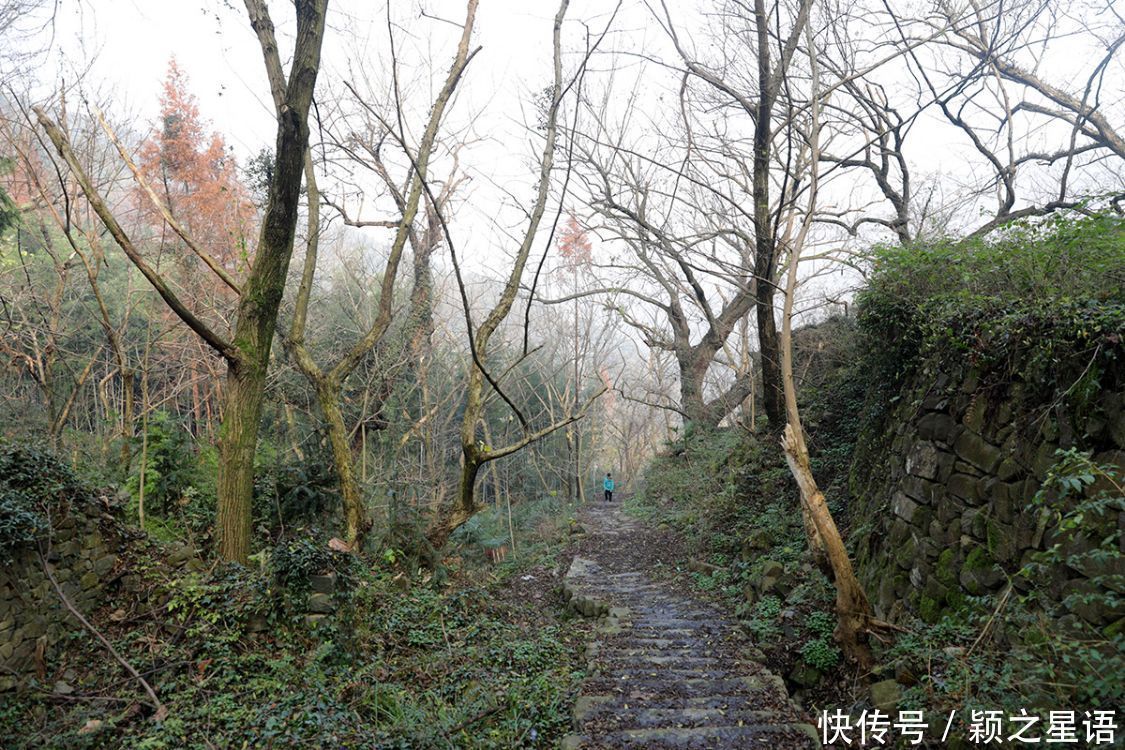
pixel 665 670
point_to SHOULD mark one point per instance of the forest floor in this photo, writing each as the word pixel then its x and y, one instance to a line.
pixel 667 669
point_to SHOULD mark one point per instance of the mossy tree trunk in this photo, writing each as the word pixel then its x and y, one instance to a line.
pixel 328 382
pixel 247 353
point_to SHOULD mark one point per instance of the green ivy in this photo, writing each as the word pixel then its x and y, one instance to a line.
pixel 36 485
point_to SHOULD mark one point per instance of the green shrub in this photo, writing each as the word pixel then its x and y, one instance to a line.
pixel 293 561
pixel 21 524
pixel 291 491
pixel 821 624
pixel 169 465
pixel 1040 300
pixel 821 653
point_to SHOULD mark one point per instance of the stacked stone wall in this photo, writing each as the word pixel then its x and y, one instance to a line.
pixel 943 498
pixel 81 554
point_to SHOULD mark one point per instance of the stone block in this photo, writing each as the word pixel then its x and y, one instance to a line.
pixel 1044 459
pixel 1076 597
pixel 104 564
pixel 917 577
pixel 898 533
pixel 980 573
pixel 323 584
pixel 974 523
pixel 903 506
pixel 934 589
pixel 885 595
pixel 179 554
pixel 36 627
pixel 804 676
pixel 905 554
pixel 89 580
pixel 938 427
pixel 977 451
pixel 949 508
pixel 321 604
pixel 937 532
pixel 1109 569
pixel 965 487
pixel 885 695
pixel 936 400
pixel 1009 469
pixel 922 461
pixel 921 490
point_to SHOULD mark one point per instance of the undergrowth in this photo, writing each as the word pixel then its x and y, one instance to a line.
pixel 408 659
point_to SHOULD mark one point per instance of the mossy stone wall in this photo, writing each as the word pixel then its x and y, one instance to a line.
pixel 943 494
pixel 80 553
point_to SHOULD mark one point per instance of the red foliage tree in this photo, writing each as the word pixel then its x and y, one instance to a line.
pixel 196 177
pixel 573 243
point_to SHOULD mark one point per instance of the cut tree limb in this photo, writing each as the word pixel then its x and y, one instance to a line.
pixel 161 710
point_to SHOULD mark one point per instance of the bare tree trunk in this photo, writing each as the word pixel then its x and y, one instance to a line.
pixel 128 378
pixel 853 610
pixel 474 455
pixel 773 399
pixel 329 382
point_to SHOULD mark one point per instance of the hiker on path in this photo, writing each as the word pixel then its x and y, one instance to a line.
pixel 607 485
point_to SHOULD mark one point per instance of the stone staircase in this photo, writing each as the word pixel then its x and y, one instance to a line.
pixel 665 670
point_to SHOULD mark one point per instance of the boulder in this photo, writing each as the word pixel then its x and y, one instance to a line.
pixel 885 695
pixel 321 604
pixel 323 584
pixel 804 676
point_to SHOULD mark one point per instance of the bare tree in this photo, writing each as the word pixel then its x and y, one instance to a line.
pixel 328 381
pixel 59 198
pixel 772 54
pixel 247 353
pixel 1044 145
pixel 475 452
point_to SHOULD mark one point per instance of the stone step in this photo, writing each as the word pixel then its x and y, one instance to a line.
pixel 663 674
pixel 644 661
pixel 774 737
pixel 765 686
pixel 633 641
pixel 642 615
pixel 689 652
pixel 654 626
pixel 681 633
pixel 586 703
pixel 615 717
pixel 669 670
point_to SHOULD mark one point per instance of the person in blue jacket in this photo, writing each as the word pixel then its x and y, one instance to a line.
pixel 607 485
